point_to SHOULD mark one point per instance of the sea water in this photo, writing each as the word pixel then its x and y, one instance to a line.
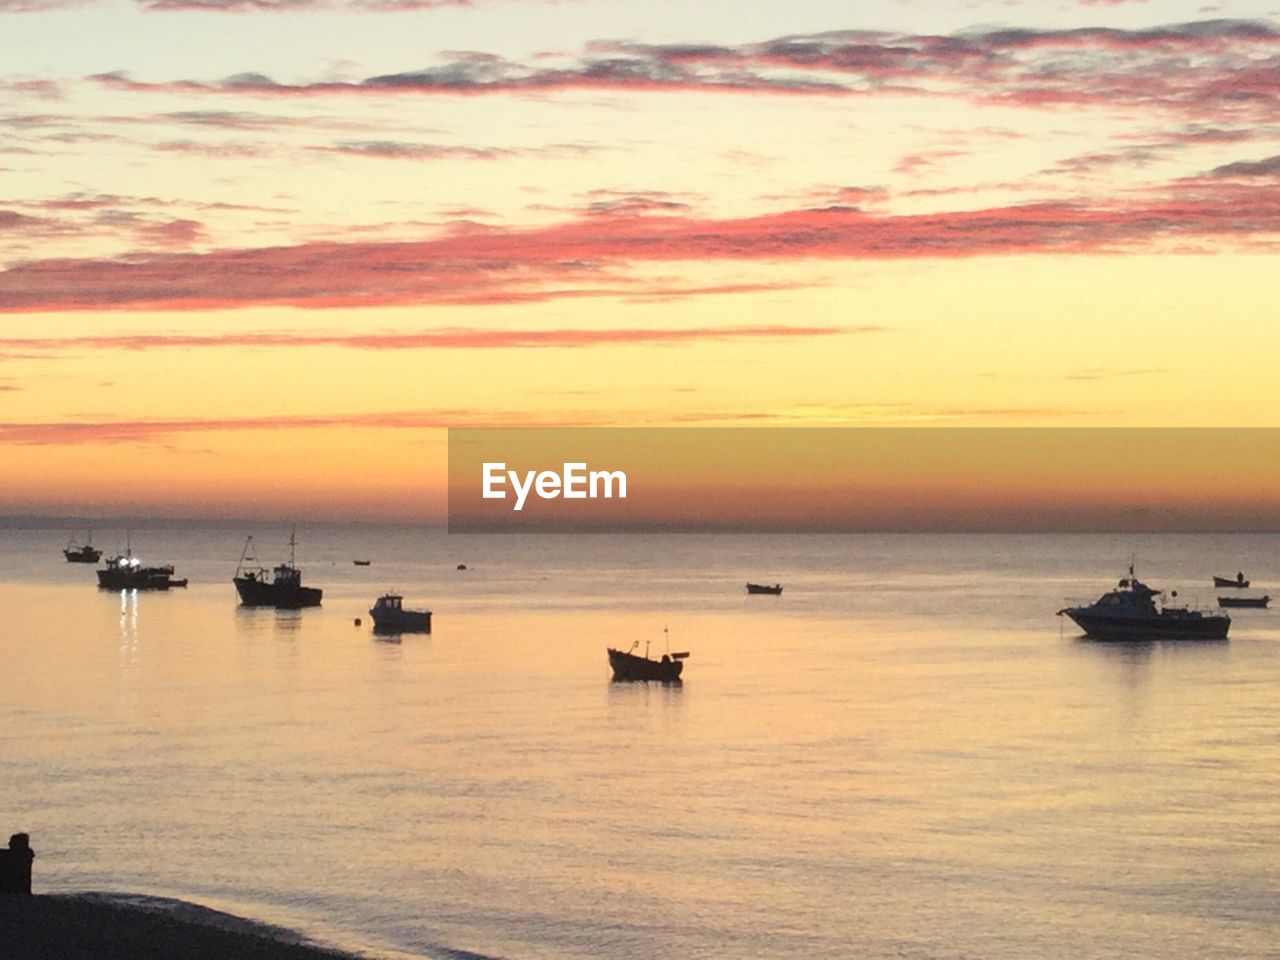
pixel 906 755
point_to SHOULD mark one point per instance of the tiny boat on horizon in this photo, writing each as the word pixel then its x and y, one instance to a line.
pixel 362 563
pixel 1257 602
pixel 390 616
pixel 1238 581
pixel 82 553
pixel 1130 613
pixel 764 588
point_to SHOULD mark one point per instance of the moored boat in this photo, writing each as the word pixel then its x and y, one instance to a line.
pixel 390 616
pixel 628 666
pixel 764 588
pixel 1237 581
pixel 280 587
pixel 81 553
pixel 126 572
pixel 1130 613
pixel 1244 601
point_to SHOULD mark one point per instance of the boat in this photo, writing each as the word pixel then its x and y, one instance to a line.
pixel 390 616
pixel 126 572
pixel 775 590
pixel 362 563
pixel 1244 601
pixel 629 666
pixel 1130 612
pixel 281 587
pixel 1237 581
pixel 81 553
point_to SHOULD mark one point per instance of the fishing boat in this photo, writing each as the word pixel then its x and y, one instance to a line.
pixel 362 563
pixel 81 553
pixel 1237 581
pixel 627 665
pixel 390 616
pixel 281 587
pixel 1244 601
pixel 1130 612
pixel 126 572
pixel 763 588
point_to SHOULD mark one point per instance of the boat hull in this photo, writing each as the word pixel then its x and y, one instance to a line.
pixel 1255 602
pixel 141 579
pixel 83 555
pixel 1102 627
pixel 627 666
pixel 255 592
pixel 407 621
pixel 764 590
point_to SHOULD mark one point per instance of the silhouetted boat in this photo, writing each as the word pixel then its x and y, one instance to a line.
pixel 1243 601
pixel 77 553
pixel 280 587
pixel 390 616
pixel 362 563
pixel 1130 613
pixel 1237 581
pixel 775 590
pixel 126 572
pixel 627 666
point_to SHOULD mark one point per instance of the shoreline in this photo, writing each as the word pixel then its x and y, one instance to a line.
pixel 121 926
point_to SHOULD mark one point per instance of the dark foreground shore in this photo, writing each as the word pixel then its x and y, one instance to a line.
pixel 114 927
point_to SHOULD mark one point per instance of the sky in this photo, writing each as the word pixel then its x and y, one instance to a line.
pixel 257 257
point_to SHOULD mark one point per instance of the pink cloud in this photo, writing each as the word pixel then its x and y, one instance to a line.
pixel 592 256
pixel 441 339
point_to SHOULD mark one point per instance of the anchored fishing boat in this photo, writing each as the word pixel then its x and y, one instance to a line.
pixel 390 616
pixel 627 665
pixel 762 588
pixel 280 587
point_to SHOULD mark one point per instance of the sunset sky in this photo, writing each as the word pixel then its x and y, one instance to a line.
pixel 258 255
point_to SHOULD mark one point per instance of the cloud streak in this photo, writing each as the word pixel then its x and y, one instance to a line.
pixel 597 254
pixel 442 339
pixel 1210 69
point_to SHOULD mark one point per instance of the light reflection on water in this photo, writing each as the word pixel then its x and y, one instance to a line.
pixel 903 756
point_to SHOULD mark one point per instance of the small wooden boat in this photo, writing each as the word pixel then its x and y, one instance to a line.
pixel 390 616
pixel 763 588
pixel 362 563
pixel 1237 581
pixel 1244 601
pixel 627 666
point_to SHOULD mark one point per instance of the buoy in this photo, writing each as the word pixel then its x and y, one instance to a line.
pixel 357 621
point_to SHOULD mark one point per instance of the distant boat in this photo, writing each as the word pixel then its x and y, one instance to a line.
pixel 1243 601
pixel 362 563
pixel 86 553
pixel 1130 613
pixel 775 590
pixel 281 587
pixel 390 616
pixel 627 666
pixel 462 566
pixel 126 572
pixel 1237 581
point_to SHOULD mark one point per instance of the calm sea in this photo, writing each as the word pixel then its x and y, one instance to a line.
pixel 907 755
